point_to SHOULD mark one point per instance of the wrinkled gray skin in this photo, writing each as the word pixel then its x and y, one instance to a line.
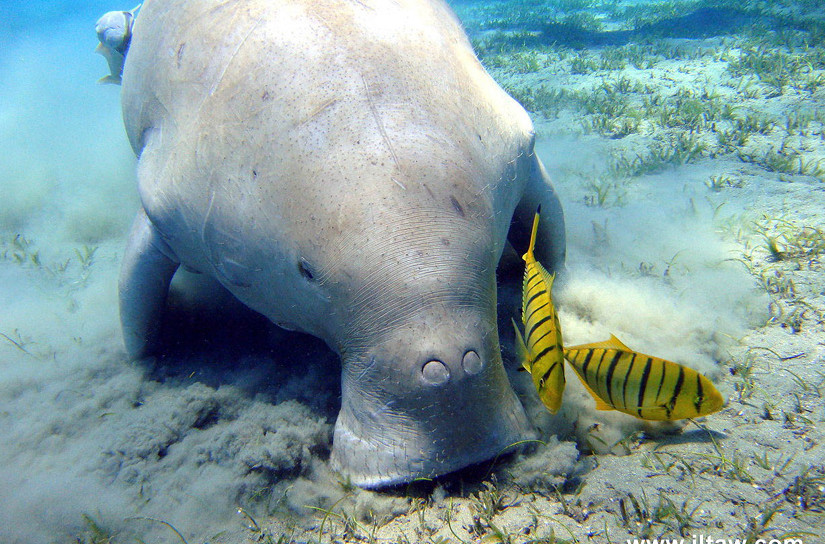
pixel 347 169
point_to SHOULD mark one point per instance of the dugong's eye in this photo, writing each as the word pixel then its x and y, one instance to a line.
pixel 306 270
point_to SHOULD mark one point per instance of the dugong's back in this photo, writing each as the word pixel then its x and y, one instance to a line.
pixel 199 60
pixel 282 110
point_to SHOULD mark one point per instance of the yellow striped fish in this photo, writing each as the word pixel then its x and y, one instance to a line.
pixel 640 385
pixel 541 354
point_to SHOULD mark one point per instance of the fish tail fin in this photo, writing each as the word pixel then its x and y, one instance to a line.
pixel 521 348
pixel 532 246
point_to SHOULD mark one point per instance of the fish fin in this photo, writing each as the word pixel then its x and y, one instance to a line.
pixel 618 344
pixel 547 277
pixel 612 343
pixel 521 349
pixel 110 79
pixel 600 403
pixel 532 245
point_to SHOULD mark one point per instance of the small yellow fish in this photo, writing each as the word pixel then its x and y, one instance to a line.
pixel 541 355
pixel 640 385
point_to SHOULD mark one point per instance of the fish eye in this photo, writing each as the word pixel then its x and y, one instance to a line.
pixel 306 269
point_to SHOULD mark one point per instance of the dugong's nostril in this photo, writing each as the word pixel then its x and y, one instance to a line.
pixel 471 363
pixel 435 372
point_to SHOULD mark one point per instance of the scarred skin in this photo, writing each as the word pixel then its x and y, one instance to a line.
pixel 347 169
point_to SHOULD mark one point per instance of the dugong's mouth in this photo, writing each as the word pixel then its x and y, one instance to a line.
pixel 439 417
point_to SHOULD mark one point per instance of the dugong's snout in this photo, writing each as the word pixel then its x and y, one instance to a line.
pixel 424 403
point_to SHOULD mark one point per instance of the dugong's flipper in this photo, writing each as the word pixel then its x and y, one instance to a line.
pixel 147 269
pixel 551 249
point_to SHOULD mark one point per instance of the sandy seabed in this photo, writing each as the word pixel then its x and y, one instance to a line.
pixel 690 158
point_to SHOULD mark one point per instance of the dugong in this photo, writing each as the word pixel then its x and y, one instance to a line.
pixel 347 168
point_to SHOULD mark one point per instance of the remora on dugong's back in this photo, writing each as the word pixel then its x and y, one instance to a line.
pixel 346 168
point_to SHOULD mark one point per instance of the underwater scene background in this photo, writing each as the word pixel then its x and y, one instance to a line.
pixel 686 139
